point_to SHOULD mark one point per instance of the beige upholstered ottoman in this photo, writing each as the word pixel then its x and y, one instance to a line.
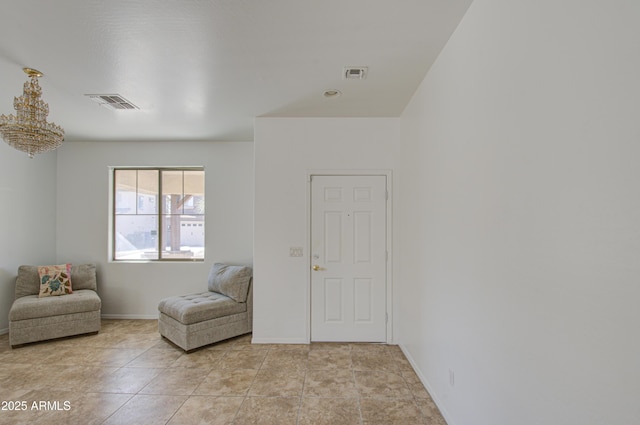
pixel 226 310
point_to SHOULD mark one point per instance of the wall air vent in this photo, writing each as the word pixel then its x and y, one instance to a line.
pixel 355 72
pixel 112 101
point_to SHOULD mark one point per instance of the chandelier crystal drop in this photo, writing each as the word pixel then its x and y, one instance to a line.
pixel 28 130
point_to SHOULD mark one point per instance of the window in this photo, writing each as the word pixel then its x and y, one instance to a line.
pixel 158 214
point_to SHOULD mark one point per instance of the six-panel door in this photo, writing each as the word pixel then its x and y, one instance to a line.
pixel 348 258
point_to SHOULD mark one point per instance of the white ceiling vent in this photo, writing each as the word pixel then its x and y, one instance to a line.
pixel 112 101
pixel 355 72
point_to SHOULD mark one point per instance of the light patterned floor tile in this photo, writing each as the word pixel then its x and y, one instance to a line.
pixel 207 410
pixel 329 411
pixel 379 384
pixel 268 411
pixel 147 410
pixel 391 412
pixel 175 381
pixel 336 383
pixel 127 374
pixel 227 382
pixel 277 383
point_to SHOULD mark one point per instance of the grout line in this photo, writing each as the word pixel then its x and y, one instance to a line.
pixel 118 409
pixel 358 396
pixel 180 407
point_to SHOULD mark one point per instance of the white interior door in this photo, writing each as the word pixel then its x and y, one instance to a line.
pixel 348 258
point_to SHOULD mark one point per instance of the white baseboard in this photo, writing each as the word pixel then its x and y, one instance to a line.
pixel 108 316
pixel 129 316
pixel 424 381
pixel 255 340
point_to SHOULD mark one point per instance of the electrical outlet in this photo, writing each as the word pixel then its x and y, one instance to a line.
pixel 452 378
pixel 295 251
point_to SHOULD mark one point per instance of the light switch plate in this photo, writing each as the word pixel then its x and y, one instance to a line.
pixel 295 251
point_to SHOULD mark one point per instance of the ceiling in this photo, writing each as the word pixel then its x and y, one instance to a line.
pixel 203 69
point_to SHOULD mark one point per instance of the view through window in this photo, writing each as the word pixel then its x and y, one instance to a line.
pixel 158 214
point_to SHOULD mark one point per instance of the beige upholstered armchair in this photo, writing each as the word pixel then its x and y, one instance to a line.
pixel 37 314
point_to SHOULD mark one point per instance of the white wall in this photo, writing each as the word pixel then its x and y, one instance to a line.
pixel 27 218
pixel 520 216
pixel 286 149
pixel 133 290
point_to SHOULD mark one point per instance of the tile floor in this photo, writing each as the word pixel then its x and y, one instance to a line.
pixel 128 374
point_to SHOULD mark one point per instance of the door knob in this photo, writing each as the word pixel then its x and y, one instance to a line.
pixel 316 268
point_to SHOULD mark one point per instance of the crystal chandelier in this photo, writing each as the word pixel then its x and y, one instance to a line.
pixel 28 130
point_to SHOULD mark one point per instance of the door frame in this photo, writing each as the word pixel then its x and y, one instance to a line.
pixel 389 239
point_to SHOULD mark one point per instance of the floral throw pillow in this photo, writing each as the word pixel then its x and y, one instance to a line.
pixel 55 280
